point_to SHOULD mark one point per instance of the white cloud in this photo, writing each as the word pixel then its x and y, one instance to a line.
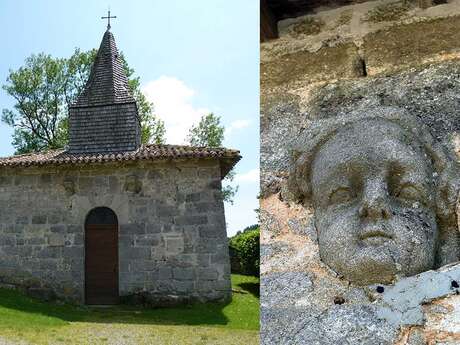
pixel 249 177
pixel 235 125
pixel 172 100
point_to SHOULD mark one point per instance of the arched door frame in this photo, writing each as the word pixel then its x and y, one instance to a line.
pixel 101 256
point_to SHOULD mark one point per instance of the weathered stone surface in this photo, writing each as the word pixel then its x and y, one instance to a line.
pixel 418 93
pixel 304 301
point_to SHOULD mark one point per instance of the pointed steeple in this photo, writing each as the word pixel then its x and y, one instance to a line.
pixel 104 118
pixel 107 83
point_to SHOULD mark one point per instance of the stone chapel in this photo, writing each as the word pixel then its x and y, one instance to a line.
pixel 108 218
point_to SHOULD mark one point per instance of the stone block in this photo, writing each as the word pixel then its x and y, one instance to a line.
pixel 86 184
pixel 212 231
pixel 13 229
pixel 215 184
pixel 39 219
pixel 203 260
pixel 42 294
pixel 217 219
pixel 101 182
pixel 207 246
pixel 193 197
pixel 184 286
pixel 164 273
pixel 11 250
pixel 183 273
pixel 54 218
pixel 7 240
pixel 155 174
pixel 174 245
pixel 388 51
pixel 152 228
pixel 6 181
pixel 190 220
pixel 166 211
pixel 48 252
pixel 205 285
pixel 22 219
pixel 136 278
pixel 23 180
pixel 205 207
pixel 303 66
pixel 56 239
pixel 60 229
pixel 73 252
pixel 220 257
pixel 206 173
pixel 75 229
pixel 78 240
pixel 45 179
pixel 148 240
pixel 223 285
pixel 134 253
pixel 134 228
pixel 165 286
pixel 114 184
pixel 207 274
pixel 126 240
pixel 48 264
pixel 35 241
pixel 141 265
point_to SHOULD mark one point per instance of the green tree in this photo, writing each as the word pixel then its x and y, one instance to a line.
pixel 245 248
pixel 44 88
pixel 210 133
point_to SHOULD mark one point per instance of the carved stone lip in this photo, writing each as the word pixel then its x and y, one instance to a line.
pixel 375 234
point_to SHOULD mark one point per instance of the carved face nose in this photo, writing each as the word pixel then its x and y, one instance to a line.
pixel 375 201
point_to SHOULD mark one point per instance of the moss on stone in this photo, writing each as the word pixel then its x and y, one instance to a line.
pixel 308 26
pixel 388 12
pixel 326 64
pixel 411 45
pixel 345 17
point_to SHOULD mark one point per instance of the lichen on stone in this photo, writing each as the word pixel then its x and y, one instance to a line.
pixel 308 26
pixel 388 12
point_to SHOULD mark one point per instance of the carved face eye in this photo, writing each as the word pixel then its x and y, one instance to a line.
pixel 340 196
pixel 409 192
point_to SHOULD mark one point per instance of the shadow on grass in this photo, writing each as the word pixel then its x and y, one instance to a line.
pixel 253 288
pixel 35 310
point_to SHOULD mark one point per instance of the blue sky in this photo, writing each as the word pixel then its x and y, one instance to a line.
pixel 192 57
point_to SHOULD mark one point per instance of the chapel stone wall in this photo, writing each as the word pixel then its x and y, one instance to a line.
pixel 172 237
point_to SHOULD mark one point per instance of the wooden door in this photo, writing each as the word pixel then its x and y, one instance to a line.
pixel 101 257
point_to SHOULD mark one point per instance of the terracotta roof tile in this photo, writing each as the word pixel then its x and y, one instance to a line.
pixel 227 157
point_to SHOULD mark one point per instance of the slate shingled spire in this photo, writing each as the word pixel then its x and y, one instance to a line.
pixel 104 118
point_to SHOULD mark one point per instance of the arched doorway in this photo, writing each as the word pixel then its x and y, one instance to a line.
pixel 101 257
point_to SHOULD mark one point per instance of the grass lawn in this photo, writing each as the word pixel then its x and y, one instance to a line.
pixel 27 321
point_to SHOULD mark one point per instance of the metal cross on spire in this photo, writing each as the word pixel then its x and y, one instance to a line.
pixel 108 18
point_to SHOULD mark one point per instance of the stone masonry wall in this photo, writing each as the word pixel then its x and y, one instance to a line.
pixel 172 237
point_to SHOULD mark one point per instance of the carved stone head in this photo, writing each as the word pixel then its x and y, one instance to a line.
pixel 133 184
pixel 384 195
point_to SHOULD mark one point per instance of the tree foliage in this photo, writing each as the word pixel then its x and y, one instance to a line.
pixel 44 87
pixel 245 246
pixel 210 133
